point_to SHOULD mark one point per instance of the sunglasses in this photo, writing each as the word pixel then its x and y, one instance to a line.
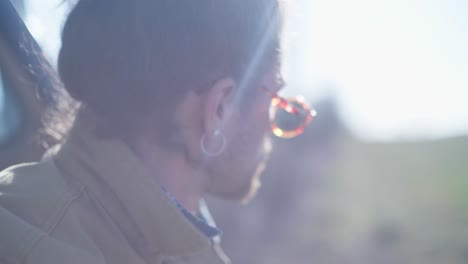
pixel 289 116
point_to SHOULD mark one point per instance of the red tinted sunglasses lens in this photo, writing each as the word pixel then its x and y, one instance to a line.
pixel 290 116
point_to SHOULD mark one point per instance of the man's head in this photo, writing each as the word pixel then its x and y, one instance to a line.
pixel 185 75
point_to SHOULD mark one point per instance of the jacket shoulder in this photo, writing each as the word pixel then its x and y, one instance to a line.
pixel 35 192
pixel 33 198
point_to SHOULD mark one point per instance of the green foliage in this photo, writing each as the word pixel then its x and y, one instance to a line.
pixel 329 198
pixel 406 201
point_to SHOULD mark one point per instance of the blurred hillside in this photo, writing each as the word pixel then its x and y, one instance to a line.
pixel 328 198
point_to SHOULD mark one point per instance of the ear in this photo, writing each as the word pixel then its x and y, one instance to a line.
pixel 218 101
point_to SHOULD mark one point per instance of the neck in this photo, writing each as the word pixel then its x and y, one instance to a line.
pixel 175 173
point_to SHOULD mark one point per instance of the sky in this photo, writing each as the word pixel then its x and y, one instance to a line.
pixel 3 128
pixel 397 68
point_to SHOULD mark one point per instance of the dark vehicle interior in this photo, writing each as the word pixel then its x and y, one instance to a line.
pixel 26 79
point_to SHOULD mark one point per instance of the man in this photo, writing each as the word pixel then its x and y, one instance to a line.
pixel 175 98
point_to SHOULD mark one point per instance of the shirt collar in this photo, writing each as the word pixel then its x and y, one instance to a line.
pixel 127 191
pixel 203 220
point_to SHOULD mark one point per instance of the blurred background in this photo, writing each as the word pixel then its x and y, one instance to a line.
pixel 381 175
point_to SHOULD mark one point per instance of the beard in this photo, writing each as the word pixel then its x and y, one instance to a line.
pixel 254 185
pixel 236 176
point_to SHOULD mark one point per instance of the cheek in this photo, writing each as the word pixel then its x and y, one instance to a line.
pixel 251 125
pixel 259 108
pixel 262 117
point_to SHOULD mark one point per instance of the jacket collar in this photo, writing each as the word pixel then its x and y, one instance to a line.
pixel 128 192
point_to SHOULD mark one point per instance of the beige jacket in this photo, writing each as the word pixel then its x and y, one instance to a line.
pixel 93 202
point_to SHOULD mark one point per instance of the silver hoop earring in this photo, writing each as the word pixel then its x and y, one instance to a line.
pixel 218 135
